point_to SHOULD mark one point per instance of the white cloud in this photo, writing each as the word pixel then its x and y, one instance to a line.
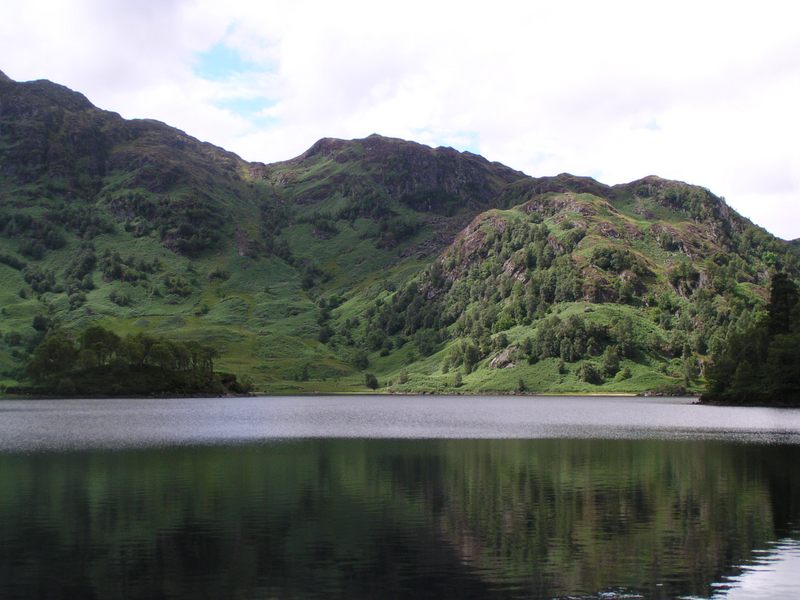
pixel 703 92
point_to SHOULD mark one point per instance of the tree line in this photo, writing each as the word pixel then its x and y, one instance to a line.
pixel 761 364
pixel 97 361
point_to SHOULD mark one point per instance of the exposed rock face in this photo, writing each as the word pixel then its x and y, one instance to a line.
pixel 566 202
pixel 54 142
pixel 503 360
pixel 31 112
pixel 406 168
pixel 423 177
pixel 469 245
pixel 50 129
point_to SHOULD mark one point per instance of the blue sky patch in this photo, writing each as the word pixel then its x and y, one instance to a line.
pixel 221 62
pixel 249 108
pixel 469 141
pixel 462 141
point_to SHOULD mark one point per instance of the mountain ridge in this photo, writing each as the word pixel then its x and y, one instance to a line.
pixel 378 255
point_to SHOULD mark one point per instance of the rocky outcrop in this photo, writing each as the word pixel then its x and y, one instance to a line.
pixel 504 360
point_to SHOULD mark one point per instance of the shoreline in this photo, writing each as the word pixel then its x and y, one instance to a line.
pixel 701 402
pixel 4 396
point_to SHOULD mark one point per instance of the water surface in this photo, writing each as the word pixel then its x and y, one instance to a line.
pixel 117 423
pixel 367 497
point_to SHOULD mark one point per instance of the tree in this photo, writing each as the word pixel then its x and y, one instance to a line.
pixel 761 362
pixel 426 341
pixel 325 334
pixel 55 355
pixel 610 362
pixel 103 342
pixel 783 297
pixel 588 372
pixel 782 368
pixel 622 331
pixel 624 374
pixel 132 350
pixel 527 347
pixel 360 360
pixel 161 355
pixel 471 356
pixel 87 359
pixel 40 323
pixel 104 364
pixel 501 341
pixel 371 381
pixel 688 369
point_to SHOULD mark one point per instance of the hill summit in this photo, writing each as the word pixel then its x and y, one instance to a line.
pixel 371 263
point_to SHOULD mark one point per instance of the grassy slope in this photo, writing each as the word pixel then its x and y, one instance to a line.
pixel 265 325
pixel 260 318
pixel 257 311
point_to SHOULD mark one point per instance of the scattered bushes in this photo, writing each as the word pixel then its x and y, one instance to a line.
pixel 37 236
pixel 13 262
pixel 40 280
pixel 119 298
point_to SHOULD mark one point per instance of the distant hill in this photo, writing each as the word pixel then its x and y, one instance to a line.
pixel 429 268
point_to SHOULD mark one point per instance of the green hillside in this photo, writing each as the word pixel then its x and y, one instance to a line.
pixel 430 269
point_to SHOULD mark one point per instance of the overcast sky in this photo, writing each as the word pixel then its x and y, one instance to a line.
pixel 704 92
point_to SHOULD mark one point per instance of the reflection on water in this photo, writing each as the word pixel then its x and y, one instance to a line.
pixel 403 518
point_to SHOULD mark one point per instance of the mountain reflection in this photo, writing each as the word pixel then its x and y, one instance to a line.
pixel 391 518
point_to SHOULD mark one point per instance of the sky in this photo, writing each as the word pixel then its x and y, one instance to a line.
pixel 704 92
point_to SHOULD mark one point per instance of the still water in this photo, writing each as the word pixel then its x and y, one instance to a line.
pixel 387 497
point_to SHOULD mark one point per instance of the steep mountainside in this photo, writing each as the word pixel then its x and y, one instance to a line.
pixel 60 151
pixel 431 269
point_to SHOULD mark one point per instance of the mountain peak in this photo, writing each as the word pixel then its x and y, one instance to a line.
pixel 42 93
pixel 60 94
pixel 374 143
pixel 323 146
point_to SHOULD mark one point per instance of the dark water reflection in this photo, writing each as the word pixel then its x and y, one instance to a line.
pixel 383 518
